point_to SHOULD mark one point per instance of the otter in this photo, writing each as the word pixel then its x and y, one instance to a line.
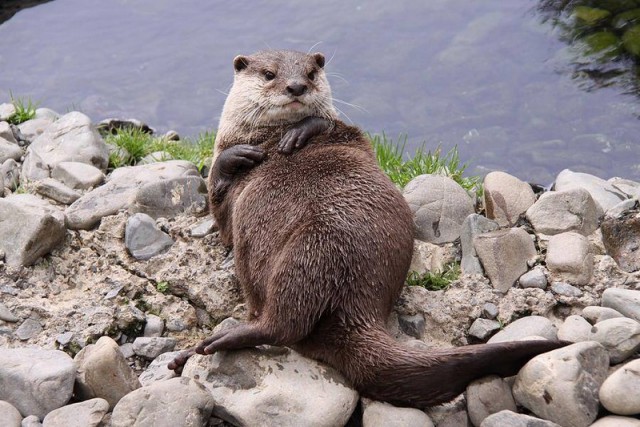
pixel 323 240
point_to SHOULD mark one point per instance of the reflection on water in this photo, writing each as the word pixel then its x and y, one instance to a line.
pixel 494 77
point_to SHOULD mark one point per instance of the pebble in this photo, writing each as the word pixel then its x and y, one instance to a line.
pixel 412 325
pixel 526 327
pixel 6 314
pixel 557 212
pixel 486 396
pixel 472 226
pixel 616 421
pixel 595 314
pixel 152 347
pixel 158 370
pixel 620 392
pixel 534 278
pixel 203 227
pixel 508 418
pixel 620 336
pixel 625 301
pixel 506 197
pixel 57 191
pixel 65 338
pixel 380 414
pixel 574 329
pixel 490 310
pixel 31 421
pixel 28 329
pixel 9 415
pixel 483 328
pixel 89 413
pixel 144 239
pixel 154 326
pixel 569 258
pixel 77 175
pixel 565 289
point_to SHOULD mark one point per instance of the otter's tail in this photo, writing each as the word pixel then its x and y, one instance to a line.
pixel 411 377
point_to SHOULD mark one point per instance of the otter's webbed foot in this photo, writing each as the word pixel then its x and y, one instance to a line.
pixel 301 132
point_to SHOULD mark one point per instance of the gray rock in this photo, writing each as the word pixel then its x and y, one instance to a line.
pixel 170 197
pixel 177 402
pixel 203 227
pixel 70 138
pixel 490 310
pixel 574 329
pixel 89 413
pixel 595 314
pixel 9 415
pixel 65 338
pixel 626 186
pixel 526 327
pixel 6 133
pixel 57 191
pixel 483 328
pixel 144 239
pixel 565 289
pixel 34 380
pixel 562 385
pixel 31 129
pixel 9 150
pixel 6 111
pixel 621 208
pixel 452 414
pixel 439 206
pixel 77 175
pixel 30 228
pixel 625 301
pixel 512 419
pixel 561 211
pixel 154 326
pixel 7 315
pixel 569 258
pixel 28 329
pixel 158 370
pixel 127 350
pixel 619 392
pixel 156 156
pixel 534 278
pixel 46 113
pixel 120 190
pixel 273 387
pixel 112 125
pixel 486 396
pixel 31 421
pixel 505 255
pixel 506 197
pixel 152 347
pixel 104 372
pixel 472 226
pixel 412 325
pixel 602 192
pixel 621 238
pixel 380 414
pixel 620 336
pixel 10 171
pixel 616 421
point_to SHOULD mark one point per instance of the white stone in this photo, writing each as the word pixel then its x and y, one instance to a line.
pixel 77 175
pixel 625 301
pixel 620 336
pixel 595 314
pixel 602 192
pixel 89 413
pixel 574 329
pixel 487 396
pixel 569 258
pixel 506 197
pixel 526 327
pixel 616 421
pixel 561 211
pixel 620 392
pixel 380 414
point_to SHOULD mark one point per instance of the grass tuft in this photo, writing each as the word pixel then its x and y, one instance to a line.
pixel 25 110
pixel 437 280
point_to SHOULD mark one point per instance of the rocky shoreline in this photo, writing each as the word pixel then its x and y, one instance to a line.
pixel 104 274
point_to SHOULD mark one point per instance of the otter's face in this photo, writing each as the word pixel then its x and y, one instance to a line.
pixel 276 87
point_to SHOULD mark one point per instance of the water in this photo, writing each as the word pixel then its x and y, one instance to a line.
pixel 492 77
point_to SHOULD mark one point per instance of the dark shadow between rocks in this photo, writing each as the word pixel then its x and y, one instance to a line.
pixel 8 8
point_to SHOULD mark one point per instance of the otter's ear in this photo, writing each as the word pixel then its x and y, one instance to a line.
pixel 240 62
pixel 319 59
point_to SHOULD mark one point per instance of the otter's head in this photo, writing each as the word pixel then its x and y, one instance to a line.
pixel 277 87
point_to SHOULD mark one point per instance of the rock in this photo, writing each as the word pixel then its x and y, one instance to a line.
pixel 439 206
pixel 486 396
pixel 158 370
pixel 631 40
pixel 512 419
pixel 30 228
pixel 586 16
pixel 629 188
pixel 412 325
pixel 472 226
pixel 452 414
pixel 534 278
pixel 625 301
pixel 177 402
pixel 34 380
pixel 526 327
pixel 46 113
pixel 65 338
pixel 70 138
pixel 506 198
pixel 144 239
pixel 127 350
pixel 569 258
pixel 565 289
pixel 154 326
pixel 203 227
pixel 77 175
pixel 620 336
pixel 6 111
pixel 120 191
pixel 57 191
pixel 104 372
pixel 273 386
pixel 10 171
pixel 112 125
pixel 616 421
pixel 602 192
pixel 9 150
pixel 621 238
pixel 619 392
pixel 156 156
pixel 490 310
pixel 28 329
pixel 595 314
pixel 483 328
pixel 504 255
pixel 31 421
pixel 428 257
pixel 171 135
pixel 152 347
pixel 31 129
pixel 619 210
pixel 89 413
pixel 574 329
pixel 170 197
pixel 6 133
pixel 561 211
pixel 9 415
pixel 7 315
pixel 380 414
pixel 562 385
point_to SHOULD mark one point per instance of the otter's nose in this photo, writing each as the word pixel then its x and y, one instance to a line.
pixel 297 89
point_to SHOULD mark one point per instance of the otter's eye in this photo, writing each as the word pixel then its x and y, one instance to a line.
pixel 311 75
pixel 268 75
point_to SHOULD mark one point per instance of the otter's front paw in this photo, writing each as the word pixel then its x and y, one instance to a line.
pixel 301 132
pixel 238 158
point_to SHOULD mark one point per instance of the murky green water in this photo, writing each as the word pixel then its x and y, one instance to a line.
pixel 500 79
